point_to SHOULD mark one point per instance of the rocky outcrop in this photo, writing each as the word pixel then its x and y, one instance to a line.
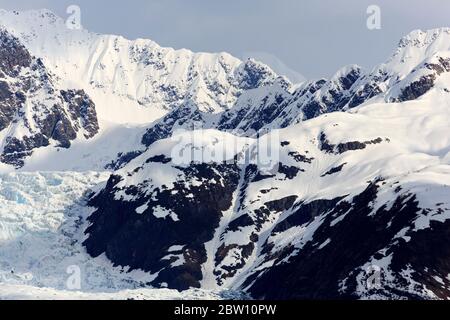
pixel 263 106
pixel 423 79
pixel 326 267
pixel 343 147
pixel 13 55
pixel 32 109
pixel 82 112
pixel 164 232
pixel 338 216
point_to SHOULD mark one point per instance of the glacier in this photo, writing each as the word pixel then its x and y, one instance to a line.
pixel 42 221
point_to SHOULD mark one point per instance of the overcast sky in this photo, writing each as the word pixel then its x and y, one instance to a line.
pixel 312 38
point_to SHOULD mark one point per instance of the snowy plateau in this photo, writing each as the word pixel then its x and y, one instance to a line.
pixel 356 204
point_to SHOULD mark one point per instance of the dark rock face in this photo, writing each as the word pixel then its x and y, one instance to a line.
pixel 304 213
pixel 13 55
pixel 317 271
pixel 187 116
pixel 417 88
pixel 142 241
pixel 15 150
pixel 58 127
pixel 58 116
pixel 340 148
pixel 122 159
pixel 425 252
pixel 55 125
pixel 423 83
pixel 251 116
pixel 82 111
pixel 370 87
pixel 253 75
pixel 289 171
pixel 335 95
pixel 334 170
pixel 10 104
pixel 239 253
pixel 300 157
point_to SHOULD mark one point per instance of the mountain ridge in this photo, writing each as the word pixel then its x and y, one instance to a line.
pixel 223 175
pixel 251 101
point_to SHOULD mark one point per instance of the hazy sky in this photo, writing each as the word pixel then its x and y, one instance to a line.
pixel 313 38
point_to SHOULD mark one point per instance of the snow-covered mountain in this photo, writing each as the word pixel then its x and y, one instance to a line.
pixel 352 192
pixel 358 178
pixel 142 85
pixel 139 71
pixel 413 69
pixel 34 111
pixel 131 82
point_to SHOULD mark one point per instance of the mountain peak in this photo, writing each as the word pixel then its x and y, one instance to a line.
pixel 413 49
pixel 346 70
pixel 33 18
pixel 420 38
pixel 141 73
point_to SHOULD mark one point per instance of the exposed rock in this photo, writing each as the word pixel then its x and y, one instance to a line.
pixel 82 111
pixel 340 148
pixel 141 241
pixel 13 55
pixel 52 115
pixel 316 273
pixel 334 170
